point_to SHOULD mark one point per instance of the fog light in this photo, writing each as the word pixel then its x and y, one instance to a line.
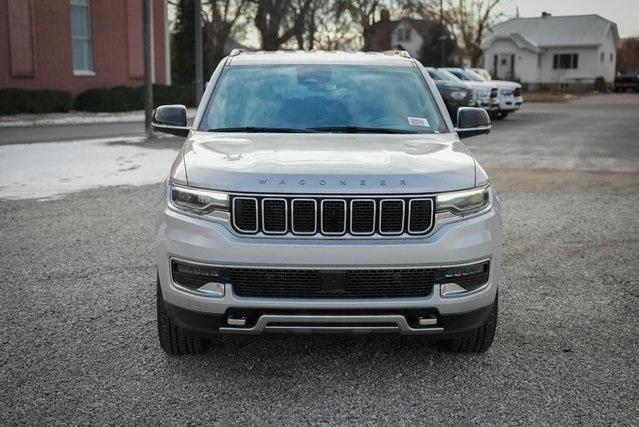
pixel 452 289
pixel 456 281
pixel 213 289
pixel 209 281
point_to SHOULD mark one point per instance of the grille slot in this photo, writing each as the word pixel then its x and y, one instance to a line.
pixel 308 283
pixel 245 214
pixel 391 216
pixel 333 216
pixel 362 216
pixel 420 214
pixel 274 216
pixel 304 216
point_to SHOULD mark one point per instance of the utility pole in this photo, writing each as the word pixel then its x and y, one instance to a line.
pixel 147 10
pixel 442 36
pixel 198 51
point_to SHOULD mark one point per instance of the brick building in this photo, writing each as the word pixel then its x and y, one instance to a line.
pixel 75 45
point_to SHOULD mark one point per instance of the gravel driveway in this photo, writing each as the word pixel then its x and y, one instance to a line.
pixel 78 322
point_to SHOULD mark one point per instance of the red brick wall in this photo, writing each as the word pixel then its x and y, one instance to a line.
pixel 116 60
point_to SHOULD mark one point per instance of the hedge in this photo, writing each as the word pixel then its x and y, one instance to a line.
pixel 119 98
pixel 125 98
pixel 15 101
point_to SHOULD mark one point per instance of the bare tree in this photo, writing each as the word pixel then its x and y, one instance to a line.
pixel 471 20
pixel 280 20
pixel 364 13
pixel 335 29
pixel 326 25
pixel 221 18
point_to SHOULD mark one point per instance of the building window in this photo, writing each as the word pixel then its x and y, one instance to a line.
pixel 612 57
pixel 81 37
pixel 602 56
pixel 403 34
pixel 565 61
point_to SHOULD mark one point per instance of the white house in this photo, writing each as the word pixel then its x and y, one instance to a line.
pixel 406 35
pixel 555 50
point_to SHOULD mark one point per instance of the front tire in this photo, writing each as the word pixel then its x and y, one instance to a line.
pixel 478 340
pixel 173 339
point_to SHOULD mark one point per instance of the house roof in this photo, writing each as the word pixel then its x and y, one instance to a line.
pixel 546 31
pixel 383 29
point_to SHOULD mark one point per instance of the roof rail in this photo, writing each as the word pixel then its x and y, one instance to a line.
pixel 398 52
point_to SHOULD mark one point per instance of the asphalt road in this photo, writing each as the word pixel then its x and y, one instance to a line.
pixel 31 134
pixel 78 319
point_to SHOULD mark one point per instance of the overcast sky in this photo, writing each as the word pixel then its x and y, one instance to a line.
pixel 625 13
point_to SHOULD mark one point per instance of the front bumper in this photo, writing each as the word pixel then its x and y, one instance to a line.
pixel 488 104
pixel 509 103
pixel 201 241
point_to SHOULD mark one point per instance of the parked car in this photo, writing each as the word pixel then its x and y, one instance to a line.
pixel 326 192
pixel 506 91
pixel 505 86
pixel 627 81
pixel 455 93
pixel 482 72
pixel 486 94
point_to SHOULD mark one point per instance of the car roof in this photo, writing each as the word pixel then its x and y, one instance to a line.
pixel 393 58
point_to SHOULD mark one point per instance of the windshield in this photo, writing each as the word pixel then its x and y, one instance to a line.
pixel 449 76
pixel 322 98
pixel 439 75
pixel 474 76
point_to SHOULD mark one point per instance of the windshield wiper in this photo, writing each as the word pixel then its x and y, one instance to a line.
pixel 359 129
pixel 261 129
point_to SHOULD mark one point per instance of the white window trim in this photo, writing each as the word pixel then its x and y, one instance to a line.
pixel 84 73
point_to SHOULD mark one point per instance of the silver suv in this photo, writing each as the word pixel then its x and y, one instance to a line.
pixel 326 192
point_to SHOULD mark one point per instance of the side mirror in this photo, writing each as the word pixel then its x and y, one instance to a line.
pixel 472 121
pixel 170 119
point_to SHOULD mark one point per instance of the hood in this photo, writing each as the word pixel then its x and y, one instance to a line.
pixel 327 163
pixel 481 85
pixel 452 84
pixel 505 84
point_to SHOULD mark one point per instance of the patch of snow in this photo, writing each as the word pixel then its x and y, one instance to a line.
pixel 76 118
pixel 51 169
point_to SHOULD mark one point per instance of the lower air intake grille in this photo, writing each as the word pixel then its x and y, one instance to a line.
pixel 331 284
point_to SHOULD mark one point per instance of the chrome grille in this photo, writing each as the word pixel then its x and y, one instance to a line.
pixel 304 218
pixel 391 217
pixel 333 216
pixel 245 214
pixel 274 216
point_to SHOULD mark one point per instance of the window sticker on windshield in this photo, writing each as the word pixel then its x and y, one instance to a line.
pixel 418 121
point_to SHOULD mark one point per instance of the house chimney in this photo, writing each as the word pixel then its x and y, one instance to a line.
pixel 545 14
pixel 384 15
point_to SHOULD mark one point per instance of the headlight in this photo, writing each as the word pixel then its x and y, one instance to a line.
pixel 197 201
pixel 482 93
pixel 464 202
pixel 458 95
